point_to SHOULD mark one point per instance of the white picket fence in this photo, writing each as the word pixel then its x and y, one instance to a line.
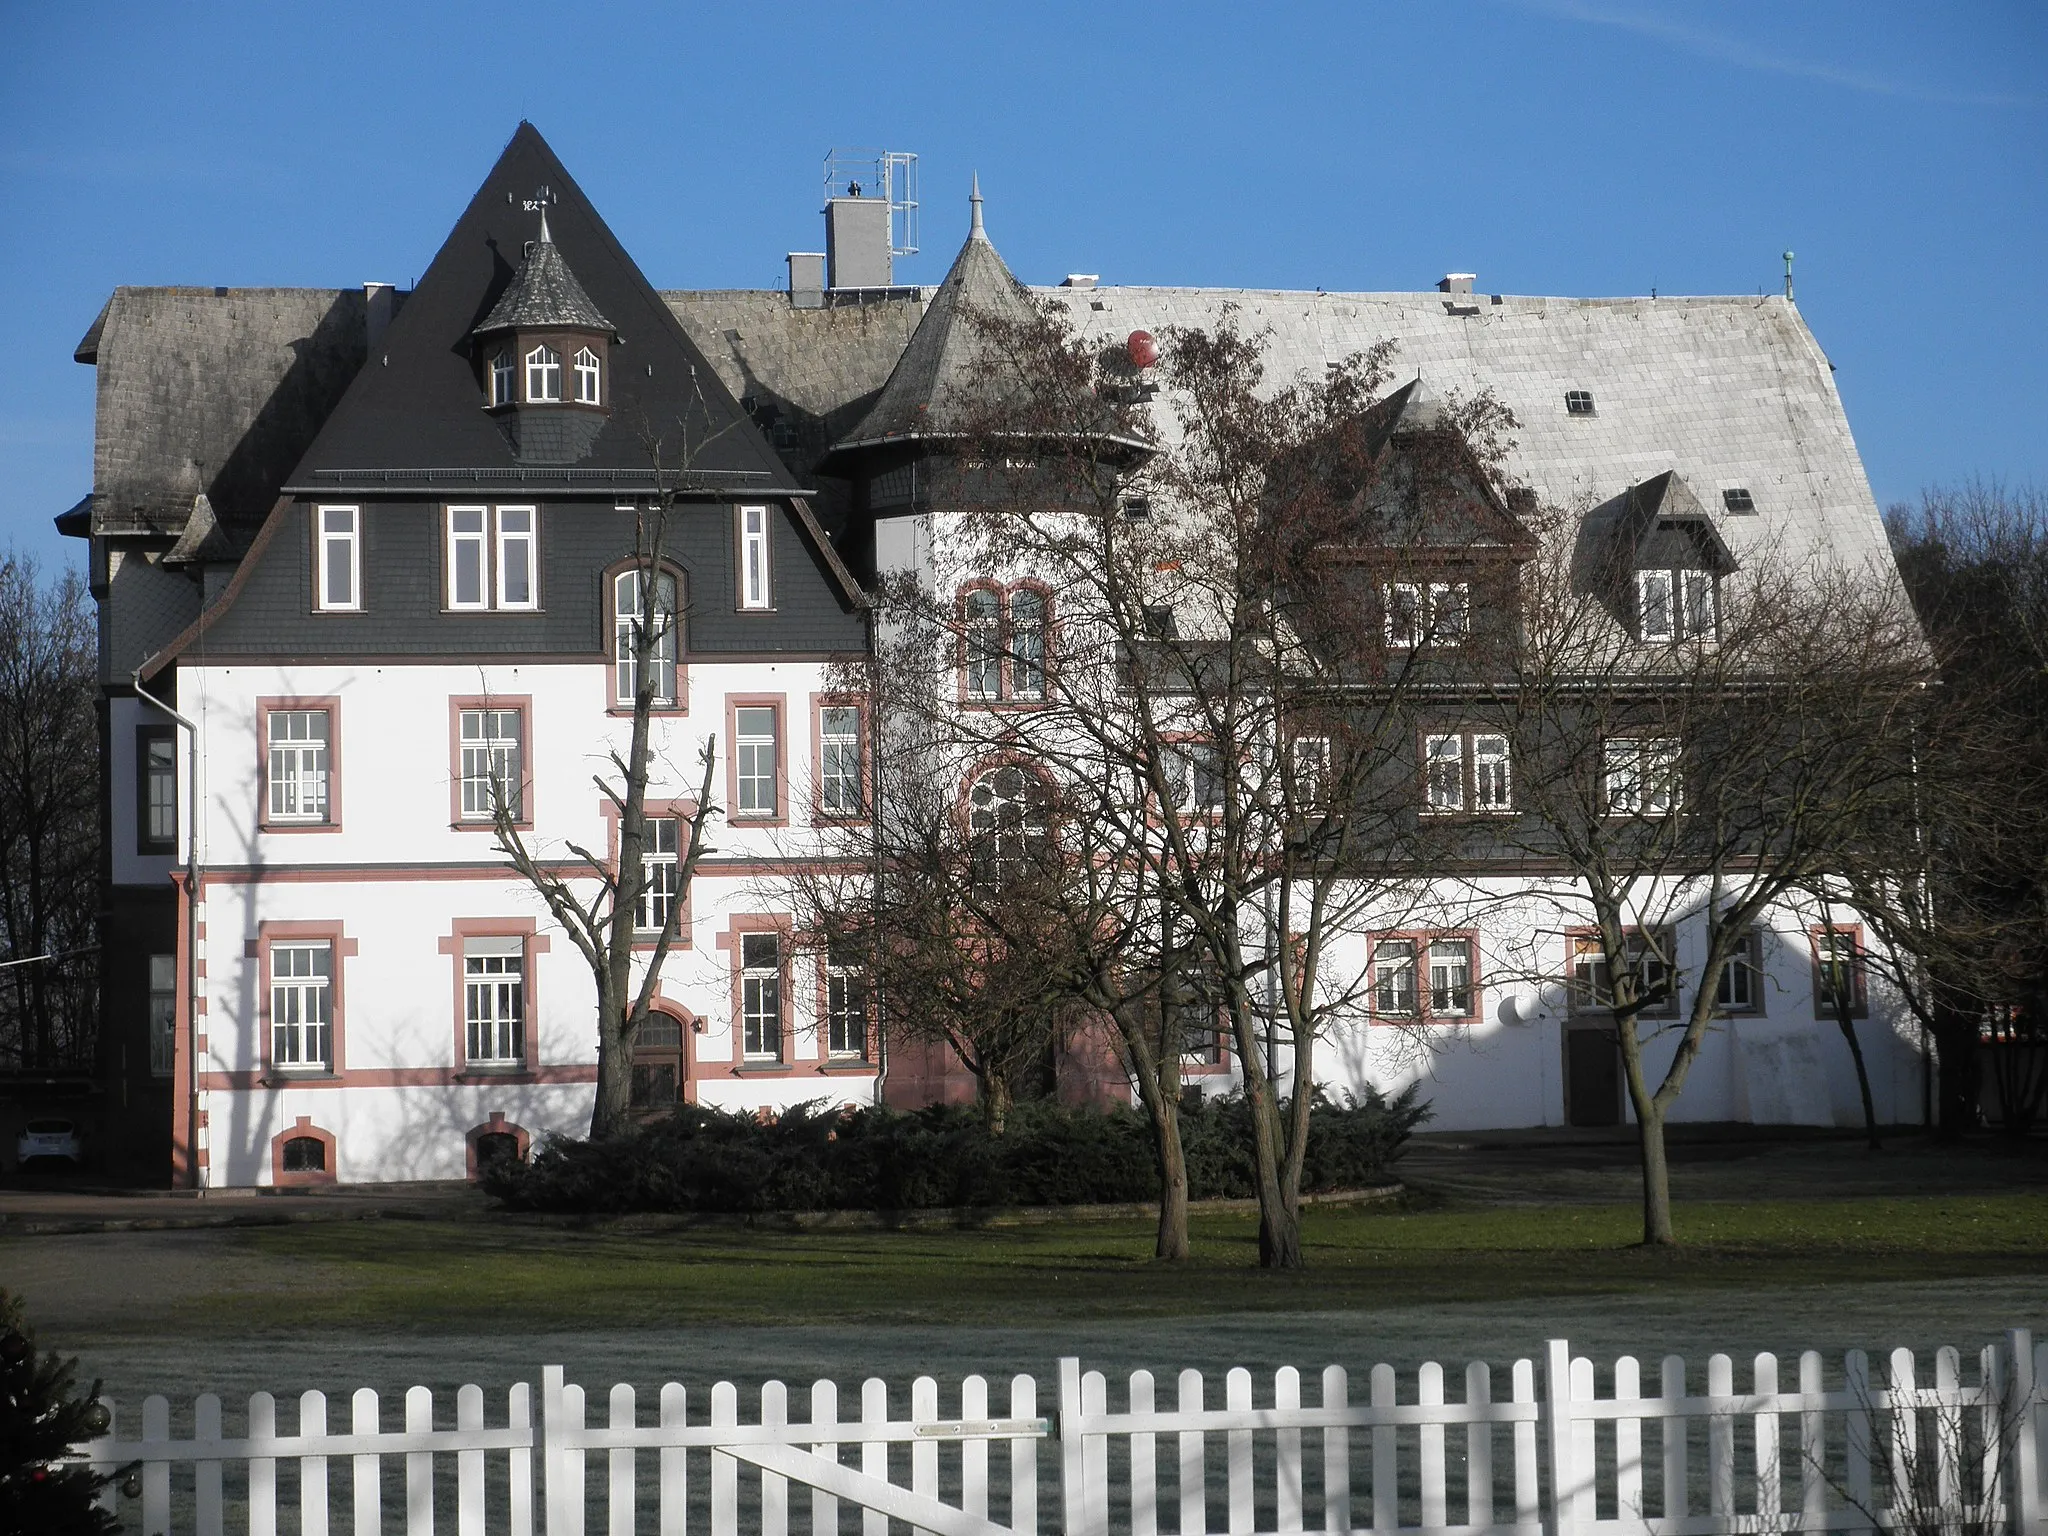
pixel 1872 1452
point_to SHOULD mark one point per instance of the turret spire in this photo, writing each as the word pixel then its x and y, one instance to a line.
pixel 974 229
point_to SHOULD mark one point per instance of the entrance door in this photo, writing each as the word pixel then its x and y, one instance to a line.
pixel 1592 1077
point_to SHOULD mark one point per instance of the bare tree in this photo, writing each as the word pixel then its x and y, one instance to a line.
pixel 1970 934
pixel 1695 747
pixel 49 822
pixel 609 906
pixel 1197 677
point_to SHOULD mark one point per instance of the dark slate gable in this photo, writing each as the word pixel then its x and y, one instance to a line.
pixel 267 610
pixel 415 416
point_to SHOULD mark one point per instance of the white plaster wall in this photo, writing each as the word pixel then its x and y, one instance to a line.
pixel 1506 1069
pixel 396 876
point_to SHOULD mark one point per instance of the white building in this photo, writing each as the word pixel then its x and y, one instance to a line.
pixel 368 546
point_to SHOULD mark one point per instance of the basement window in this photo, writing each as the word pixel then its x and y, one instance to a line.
pixel 1737 499
pixel 1578 402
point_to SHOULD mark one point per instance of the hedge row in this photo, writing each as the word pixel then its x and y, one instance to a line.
pixel 810 1159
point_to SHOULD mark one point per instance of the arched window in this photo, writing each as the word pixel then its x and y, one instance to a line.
pixel 657 1064
pixel 1009 816
pixel 305 1154
pixel 627 616
pixel 1027 644
pixel 983 611
pixel 543 373
pixel 586 377
pixel 501 378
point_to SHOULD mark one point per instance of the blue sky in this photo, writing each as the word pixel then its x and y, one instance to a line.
pixel 1552 146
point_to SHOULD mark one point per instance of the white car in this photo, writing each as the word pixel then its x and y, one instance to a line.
pixel 55 1139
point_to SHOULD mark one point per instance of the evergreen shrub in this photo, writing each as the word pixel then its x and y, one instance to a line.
pixel 815 1159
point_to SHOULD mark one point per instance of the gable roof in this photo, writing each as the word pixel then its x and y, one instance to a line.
pixel 415 420
pixel 1662 522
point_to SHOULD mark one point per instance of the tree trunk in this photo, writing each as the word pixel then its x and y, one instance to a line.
pixel 1847 1026
pixel 1279 1217
pixel 1172 1242
pixel 1649 1112
pixel 996 1098
pixel 613 1111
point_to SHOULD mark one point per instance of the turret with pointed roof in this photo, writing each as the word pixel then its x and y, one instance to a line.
pixel 948 377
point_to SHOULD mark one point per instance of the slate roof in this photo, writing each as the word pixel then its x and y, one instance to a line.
pixel 1725 391
pixel 543 292
pixel 415 417
pixel 948 377
pixel 214 392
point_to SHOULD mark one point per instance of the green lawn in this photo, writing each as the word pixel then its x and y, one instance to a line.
pixel 495 1274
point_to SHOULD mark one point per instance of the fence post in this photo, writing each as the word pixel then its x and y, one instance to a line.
pixel 553 1480
pixel 2023 1452
pixel 1556 1411
pixel 1073 1477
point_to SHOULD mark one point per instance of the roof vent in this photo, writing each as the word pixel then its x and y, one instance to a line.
pixel 1080 280
pixel 1455 282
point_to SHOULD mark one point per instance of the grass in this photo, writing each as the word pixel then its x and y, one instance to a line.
pixel 494 1274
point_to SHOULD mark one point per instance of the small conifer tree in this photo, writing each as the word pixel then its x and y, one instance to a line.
pixel 41 1422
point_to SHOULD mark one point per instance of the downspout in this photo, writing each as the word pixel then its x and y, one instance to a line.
pixel 193 1172
pixel 874 732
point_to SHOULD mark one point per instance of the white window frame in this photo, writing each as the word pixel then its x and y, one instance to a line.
pixel 841 790
pixel 1493 773
pixel 544 368
pixel 752 525
pixel 490 540
pixel 1197 777
pixel 298 765
pixel 302 1005
pixel 1007 828
pixel 159 751
pixel 1027 644
pixel 1677 603
pixel 981 611
pixel 748 747
pixel 474 541
pixel 1402 604
pixel 662 853
pixel 1443 772
pixel 494 1012
pixel 626 611
pixel 489 757
pixel 846 1005
pixel 517 551
pixel 1394 957
pixel 1589 986
pixel 1442 968
pixel 1416 613
pixel 503 373
pixel 1642 775
pixel 761 1005
pixel 337 526
pixel 1310 759
pixel 1741 987
pixel 589 374
pixel 163 1014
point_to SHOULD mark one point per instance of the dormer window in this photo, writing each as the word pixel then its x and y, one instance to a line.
pixel 1676 604
pixel 501 378
pixel 586 377
pixel 543 374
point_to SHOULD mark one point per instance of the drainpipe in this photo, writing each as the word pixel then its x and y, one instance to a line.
pixel 193 1174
